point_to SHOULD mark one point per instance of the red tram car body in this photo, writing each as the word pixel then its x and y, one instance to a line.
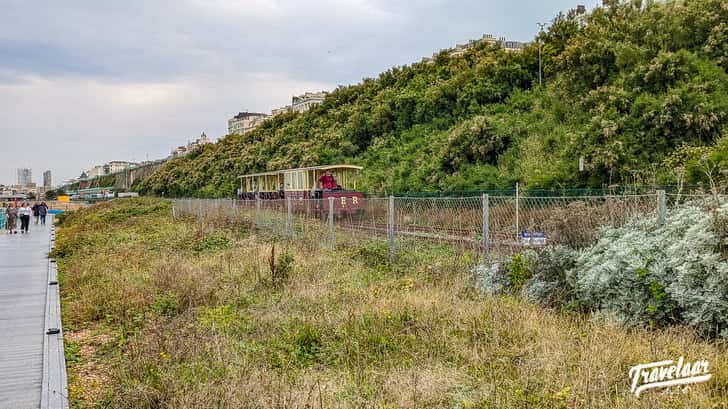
pixel 303 187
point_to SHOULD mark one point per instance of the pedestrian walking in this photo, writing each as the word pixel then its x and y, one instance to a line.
pixel 12 218
pixel 25 212
pixel 3 218
pixel 36 214
pixel 43 212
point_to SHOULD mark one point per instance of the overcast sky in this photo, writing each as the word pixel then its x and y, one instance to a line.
pixel 83 82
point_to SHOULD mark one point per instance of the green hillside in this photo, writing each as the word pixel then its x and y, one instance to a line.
pixel 638 89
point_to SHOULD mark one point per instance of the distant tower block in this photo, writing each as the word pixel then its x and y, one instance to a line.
pixel 25 177
pixel 47 181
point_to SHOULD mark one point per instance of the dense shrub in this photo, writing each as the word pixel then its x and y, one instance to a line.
pixel 642 274
pixel 551 283
pixel 492 279
pixel 649 275
pixel 506 277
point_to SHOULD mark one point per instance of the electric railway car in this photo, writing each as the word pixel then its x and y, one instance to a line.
pixel 309 188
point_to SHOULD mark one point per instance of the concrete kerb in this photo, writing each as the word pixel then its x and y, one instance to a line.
pixel 54 390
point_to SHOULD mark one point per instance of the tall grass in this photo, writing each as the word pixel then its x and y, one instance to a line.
pixel 182 314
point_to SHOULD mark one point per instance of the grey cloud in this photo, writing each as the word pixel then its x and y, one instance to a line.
pixel 154 40
pixel 89 81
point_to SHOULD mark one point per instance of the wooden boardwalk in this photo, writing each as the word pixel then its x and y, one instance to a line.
pixel 24 274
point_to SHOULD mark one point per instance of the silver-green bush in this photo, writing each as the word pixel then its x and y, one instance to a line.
pixel 646 274
pixel 551 283
pixel 492 279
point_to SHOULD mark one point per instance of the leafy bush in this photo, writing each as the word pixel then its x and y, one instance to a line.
pixel 551 283
pixel 518 271
pixel 642 274
pixel 506 278
pixel 492 279
pixel 649 275
pixel 472 142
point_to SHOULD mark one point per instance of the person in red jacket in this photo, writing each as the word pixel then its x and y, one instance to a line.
pixel 327 181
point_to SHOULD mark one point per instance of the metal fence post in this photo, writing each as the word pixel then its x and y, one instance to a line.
pixel 390 226
pixel 486 226
pixel 518 210
pixel 289 219
pixel 661 207
pixel 257 212
pixel 332 243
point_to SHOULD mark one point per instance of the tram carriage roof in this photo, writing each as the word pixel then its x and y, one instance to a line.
pixel 322 167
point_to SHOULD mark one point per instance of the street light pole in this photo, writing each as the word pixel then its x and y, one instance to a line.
pixel 540 44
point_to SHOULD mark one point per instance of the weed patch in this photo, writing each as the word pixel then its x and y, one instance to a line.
pixel 215 241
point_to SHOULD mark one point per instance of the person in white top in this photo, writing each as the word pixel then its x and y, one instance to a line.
pixel 25 213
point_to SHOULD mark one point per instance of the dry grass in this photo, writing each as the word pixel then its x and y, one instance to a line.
pixel 88 364
pixel 197 323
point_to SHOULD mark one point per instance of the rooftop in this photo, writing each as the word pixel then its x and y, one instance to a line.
pixel 245 115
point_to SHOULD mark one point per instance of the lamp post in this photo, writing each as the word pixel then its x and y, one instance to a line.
pixel 540 45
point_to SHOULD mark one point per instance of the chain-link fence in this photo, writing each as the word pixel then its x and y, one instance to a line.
pixel 485 226
pixel 708 201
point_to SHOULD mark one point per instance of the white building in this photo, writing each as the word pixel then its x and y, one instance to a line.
pixel 461 49
pixel 185 149
pixel 581 15
pixel 281 110
pixel 118 165
pixel 303 103
pixel 245 122
pixel 511 45
pixel 95 171
pixel 178 151
pixel 201 141
pixel 114 166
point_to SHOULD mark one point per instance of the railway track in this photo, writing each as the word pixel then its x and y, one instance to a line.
pixel 468 237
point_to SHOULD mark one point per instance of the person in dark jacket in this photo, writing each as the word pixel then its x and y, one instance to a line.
pixel 42 212
pixel 36 213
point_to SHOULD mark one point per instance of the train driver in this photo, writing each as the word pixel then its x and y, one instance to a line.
pixel 327 181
